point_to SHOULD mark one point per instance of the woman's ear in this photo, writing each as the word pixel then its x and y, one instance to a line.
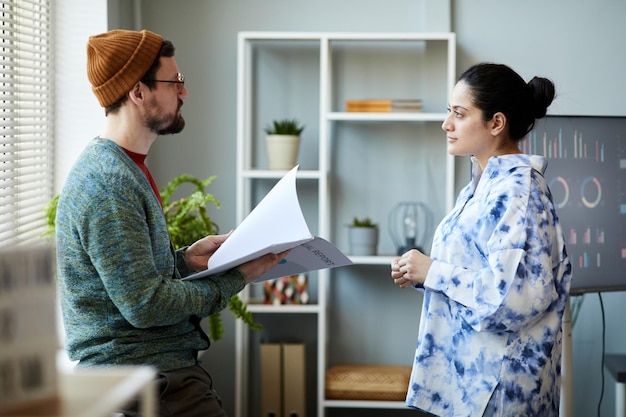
pixel 497 123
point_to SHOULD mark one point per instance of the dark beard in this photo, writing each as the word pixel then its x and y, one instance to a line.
pixel 167 125
pixel 176 126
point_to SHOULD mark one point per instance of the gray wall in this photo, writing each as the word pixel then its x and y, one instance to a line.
pixel 576 43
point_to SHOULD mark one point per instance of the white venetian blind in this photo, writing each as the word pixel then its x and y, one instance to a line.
pixel 26 119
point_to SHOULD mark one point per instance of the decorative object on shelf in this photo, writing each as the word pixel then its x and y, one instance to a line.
pixel 410 225
pixel 363 237
pixel 367 382
pixel 187 221
pixel 283 143
pixel 286 290
pixel 384 105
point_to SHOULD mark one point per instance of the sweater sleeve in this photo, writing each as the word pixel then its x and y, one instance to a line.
pixel 182 267
pixel 135 264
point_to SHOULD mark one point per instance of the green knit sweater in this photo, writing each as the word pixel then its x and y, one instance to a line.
pixel 122 299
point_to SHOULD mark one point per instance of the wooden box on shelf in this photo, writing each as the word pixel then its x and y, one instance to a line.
pixel 367 382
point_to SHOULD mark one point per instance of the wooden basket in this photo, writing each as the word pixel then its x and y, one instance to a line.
pixel 367 382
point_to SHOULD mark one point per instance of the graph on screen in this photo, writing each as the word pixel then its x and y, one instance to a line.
pixel 587 176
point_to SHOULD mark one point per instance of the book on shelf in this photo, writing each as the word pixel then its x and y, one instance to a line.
pixel 276 224
pixel 271 379
pixel 294 380
pixel 283 379
pixel 384 105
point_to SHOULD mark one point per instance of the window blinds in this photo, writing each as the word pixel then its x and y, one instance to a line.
pixel 26 119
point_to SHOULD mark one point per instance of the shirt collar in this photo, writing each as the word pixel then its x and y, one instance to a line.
pixel 500 163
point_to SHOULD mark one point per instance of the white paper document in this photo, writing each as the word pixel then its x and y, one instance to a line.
pixel 274 225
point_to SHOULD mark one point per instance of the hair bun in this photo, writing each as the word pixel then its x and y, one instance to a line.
pixel 542 94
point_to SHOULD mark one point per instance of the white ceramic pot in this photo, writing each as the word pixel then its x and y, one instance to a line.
pixel 282 151
pixel 363 240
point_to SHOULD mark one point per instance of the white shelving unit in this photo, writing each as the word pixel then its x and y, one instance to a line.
pixel 309 76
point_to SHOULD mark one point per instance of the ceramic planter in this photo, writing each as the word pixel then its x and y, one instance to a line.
pixel 282 151
pixel 363 241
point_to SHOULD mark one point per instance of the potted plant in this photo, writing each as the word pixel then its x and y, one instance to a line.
pixel 363 237
pixel 283 142
pixel 187 221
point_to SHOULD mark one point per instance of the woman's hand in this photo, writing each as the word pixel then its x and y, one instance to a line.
pixel 410 269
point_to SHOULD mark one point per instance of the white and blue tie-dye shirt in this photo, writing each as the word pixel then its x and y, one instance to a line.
pixel 494 298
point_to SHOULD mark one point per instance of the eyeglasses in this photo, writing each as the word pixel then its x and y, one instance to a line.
pixel 180 82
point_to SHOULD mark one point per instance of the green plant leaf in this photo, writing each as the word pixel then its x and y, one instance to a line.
pixel 284 127
pixel 238 308
pixel 216 327
pixel 187 218
pixel 364 222
pixel 51 213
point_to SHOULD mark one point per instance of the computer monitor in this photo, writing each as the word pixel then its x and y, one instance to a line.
pixel 587 176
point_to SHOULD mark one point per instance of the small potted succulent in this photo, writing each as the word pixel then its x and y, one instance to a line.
pixel 363 237
pixel 283 143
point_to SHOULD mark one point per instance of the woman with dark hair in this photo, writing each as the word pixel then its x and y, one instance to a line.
pixel 497 280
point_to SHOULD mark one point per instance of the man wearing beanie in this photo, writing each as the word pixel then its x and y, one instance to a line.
pixel 122 297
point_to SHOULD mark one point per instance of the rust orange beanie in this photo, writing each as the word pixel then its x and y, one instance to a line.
pixel 118 59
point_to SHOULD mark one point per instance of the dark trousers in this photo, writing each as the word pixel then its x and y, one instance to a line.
pixel 186 392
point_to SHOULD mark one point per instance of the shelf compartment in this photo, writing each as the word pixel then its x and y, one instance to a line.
pixel 283 308
pixel 372 260
pixel 364 404
pixel 287 328
pixel 409 68
pixel 388 117
pixel 272 174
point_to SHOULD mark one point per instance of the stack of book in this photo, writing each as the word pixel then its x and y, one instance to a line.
pixel 28 327
pixel 384 105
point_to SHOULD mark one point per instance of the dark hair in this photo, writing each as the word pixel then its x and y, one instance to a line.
pixel 167 50
pixel 497 88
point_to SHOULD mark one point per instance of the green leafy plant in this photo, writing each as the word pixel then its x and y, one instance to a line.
pixel 187 221
pixel 364 222
pixel 51 214
pixel 284 127
pixel 187 218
